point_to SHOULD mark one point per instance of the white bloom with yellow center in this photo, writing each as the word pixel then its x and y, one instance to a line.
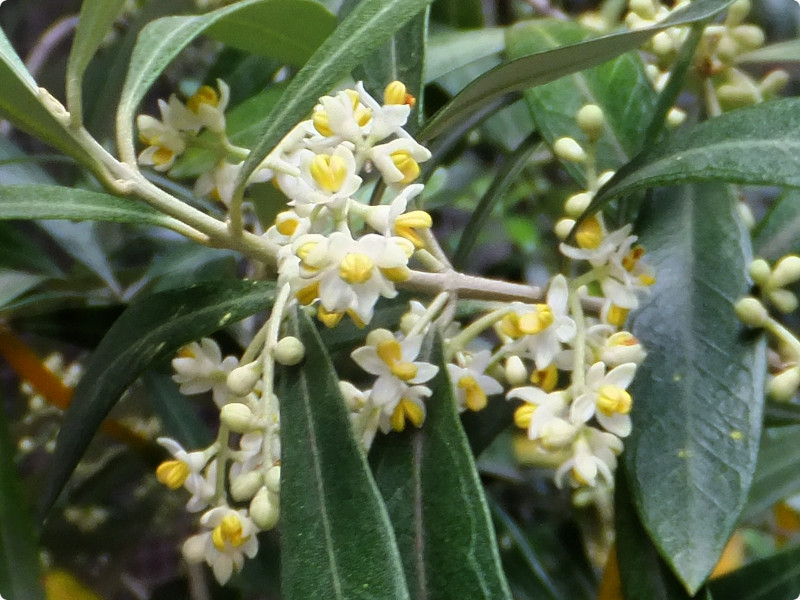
pixel 595 244
pixel 392 360
pixel 398 160
pixel 408 407
pixel 606 398
pixel 541 411
pixel 186 470
pixel 200 367
pixel 387 119
pixel 209 107
pixel 392 219
pixel 471 385
pixel 594 457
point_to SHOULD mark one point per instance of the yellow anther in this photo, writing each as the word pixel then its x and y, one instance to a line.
pixel 355 100
pixel 546 378
pixel 590 233
pixel 475 396
pixel 357 321
pixel 537 321
pixel 329 172
pixel 622 338
pixel 578 477
pixel 646 279
pixel 613 399
pixel 172 473
pixel 362 115
pixel 229 530
pixel 162 156
pixel 632 258
pixel 404 162
pixel 406 410
pixel 205 95
pixel 356 268
pixel 186 352
pixel 286 224
pixel 308 294
pixel 406 225
pixel 509 325
pixel 395 93
pixel 321 123
pixel 304 251
pixel 617 315
pixel 389 351
pixel 523 415
pixel 404 370
pixel 330 319
pixel 396 274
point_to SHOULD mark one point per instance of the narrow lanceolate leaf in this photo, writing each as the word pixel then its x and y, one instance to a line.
pixel 337 541
pixel 20 577
pixel 448 51
pixel 643 573
pixel 151 329
pixel 776 234
pixel 435 499
pixel 757 145
pixel 620 87
pixel 777 476
pixel 768 579
pixel 95 21
pixel 365 29
pixel 35 201
pixel 698 396
pixel 781 52
pixel 543 67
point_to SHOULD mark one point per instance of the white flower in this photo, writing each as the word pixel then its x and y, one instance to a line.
pixel 186 470
pixel 387 119
pixel 326 179
pixel 392 219
pixel 393 360
pixel 209 107
pixel 541 410
pixel 200 367
pixel 230 537
pixel 594 454
pixel 398 160
pixel 220 181
pixel 470 383
pixel 605 398
pixel 407 406
pixel 595 244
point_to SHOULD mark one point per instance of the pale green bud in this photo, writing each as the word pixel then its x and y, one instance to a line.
pixel 568 149
pixel 760 271
pixel 237 417
pixel 563 228
pixel 273 480
pixel 737 12
pixel 773 82
pixel 245 486
pixel 643 9
pixel 727 49
pixel 751 311
pixel 263 510
pixel 783 386
pixel 242 380
pixel 675 117
pixel 738 95
pixel 749 36
pixel 784 300
pixel 604 178
pixel 577 203
pixel 786 271
pixel 661 44
pixel 289 351
pixel 746 215
pixel 590 119
pixel 516 373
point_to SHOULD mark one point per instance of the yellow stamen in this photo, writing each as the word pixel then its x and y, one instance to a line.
pixel 396 274
pixel 162 156
pixel 172 473
pixel 356 268
pixel 622 338
pixel 389 351
pixel 406 409
pixel 406 225
pixel 537 321
pixel 612 399
pixel 475 396
pixel 404 370
pixel 321 124
pixel 590 233
pixel 404 162
pixel 205 95
pixel 356 319
pixel 329 172
pixel 509 325
pixel 578 477
pixel 286 224
pixel 632 258
pixel 395 93
pixel 187 351
pixel 646 279
pixel 331 319
pixel 617 315
pixel 546 378
pixel 523 415
pixel 229 530
pixel 308 294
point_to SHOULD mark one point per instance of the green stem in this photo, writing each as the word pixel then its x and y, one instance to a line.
pixel 432 310
pixel 475 329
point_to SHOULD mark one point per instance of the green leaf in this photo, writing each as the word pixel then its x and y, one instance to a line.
pixel 370 24
pixel 643 573
pixel 337 541
pixel 773 578
pixel 464 14
pixel 20 103
pixel 435 499
pixel 776 476
pixel 178 418
pixel 776 234
pixel 39 201
pixel 781 52
pixel 20 578
pixel 94 22
pixel 19 252
pixel 151 329
pixel 288 30
pixel 16 283
pixel 449 51
pixel 698 396
pixel 755 145
pixel 620 87
pixel 543 67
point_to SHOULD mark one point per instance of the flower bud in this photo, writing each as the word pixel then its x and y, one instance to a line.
pixel 245 486
pixel 760 271
pixel 289 351
pixel 783 386
pixel 516 373
pixel 590 119
pixel 354 398
pixel 194 549
pixel 604 178
pixel 568 149
pixel 746 215
pixel 242 380
pixel 662 44
pixel 751 312
pixel 737 12
pixel 577 203
pixel 749 36
pixel 784 300
pixel 237 417
pixel 643 9
pixel 273 479
pixel 675 117
pixel 773 82
pixel 263 510
pixel 563 228
pixel 737 95
pixel 557 434
pixel 786 271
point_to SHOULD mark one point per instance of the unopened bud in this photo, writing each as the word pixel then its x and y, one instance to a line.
pixel 784 300
pixel 245 486
pixel 737 95
pixel 751 312
pixel 783 386
pixel 737 12
pixel 604 178
pixel 773 82
pixel 577 203
pixel 516 373
pixel 643 8
pixel 590 119
pixel 194 549
pixel 563 228
pixel 273 480
pixel 661 44
pixel 786 271
pixel 675 117
pixel 353 397
pixel 746 215
pixel 289 351
pixel 760 271
pixel 237 417
pixel 749 36
pixel 263 510
pixel 568 149
pixel 242 380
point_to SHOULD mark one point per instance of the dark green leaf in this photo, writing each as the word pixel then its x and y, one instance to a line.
pixel 782 52
pixel 620 87
pixel 544 67
pixel 435 499
pixel 698 396
pixel 178 418
pixel 464 14
pixel 288 30
pixel 454 49
pixel 781 414
pixel 18 251
pixel 16 283
pixel 777 476
pixel 773 578
pixel 337 541
pixel 370 24
pixel 20 578
pixel 151 329
pixel 776 234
